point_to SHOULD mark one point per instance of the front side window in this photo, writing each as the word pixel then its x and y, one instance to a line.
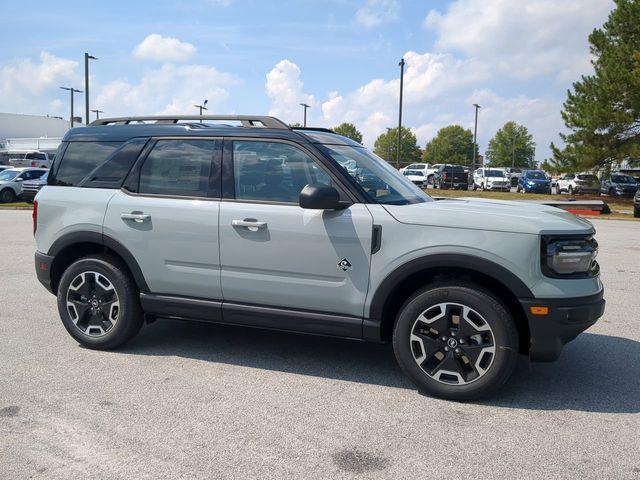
pixel 623 179
pixel 380 182
pixel 8 175
pixel 179 168
pixel 273 171
pixel 80 159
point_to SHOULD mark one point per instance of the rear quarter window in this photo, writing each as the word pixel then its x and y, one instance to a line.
pixel 79 160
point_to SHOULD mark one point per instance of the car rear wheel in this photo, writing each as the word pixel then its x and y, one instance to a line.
pixel 636 212
pixel 7 195
pixel 98 303
pixel 457 342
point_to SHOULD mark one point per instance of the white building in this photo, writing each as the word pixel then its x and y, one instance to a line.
pixel 13 125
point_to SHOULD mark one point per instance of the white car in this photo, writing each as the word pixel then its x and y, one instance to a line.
pixel 416 176
pixel 11 181
pixel 584 182
pixel 414 166
pixel 491 179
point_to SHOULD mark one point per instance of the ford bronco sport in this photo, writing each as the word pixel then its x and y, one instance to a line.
pixel 260 224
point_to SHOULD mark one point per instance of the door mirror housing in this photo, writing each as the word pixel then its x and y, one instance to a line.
pixel 320 197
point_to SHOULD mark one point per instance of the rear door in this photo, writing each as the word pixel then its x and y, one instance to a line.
pixel 167 216
pixel 274 253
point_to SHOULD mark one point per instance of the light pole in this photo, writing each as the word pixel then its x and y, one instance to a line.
pixel 202 107
pixel 304 107
pixel 87 57
pixel 388 145
pixel 513 152
pixel 401 65
pixel 475 135
pixel 97 112
pixel 72 91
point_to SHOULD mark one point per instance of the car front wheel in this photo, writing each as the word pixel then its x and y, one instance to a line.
pixel 98 303
pixel 7 195
pixel 457 342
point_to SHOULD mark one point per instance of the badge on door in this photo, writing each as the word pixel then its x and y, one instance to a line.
pixel 344 265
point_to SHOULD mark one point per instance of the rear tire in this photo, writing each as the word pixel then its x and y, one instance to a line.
pixel 456 341
pixel 636 212
pixel 7 195
pixel 99 303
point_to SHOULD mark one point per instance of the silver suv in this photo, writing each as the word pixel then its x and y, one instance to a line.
pixel 263 225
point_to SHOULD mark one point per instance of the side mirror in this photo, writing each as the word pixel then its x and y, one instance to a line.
pixel 19 179
pixel 320 197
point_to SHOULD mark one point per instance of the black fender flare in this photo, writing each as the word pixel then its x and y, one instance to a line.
pixel 373 324
pixel 97 238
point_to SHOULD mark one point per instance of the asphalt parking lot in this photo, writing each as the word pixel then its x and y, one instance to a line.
pixel 188 400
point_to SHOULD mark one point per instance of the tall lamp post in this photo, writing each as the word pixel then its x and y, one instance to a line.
pixel 71 90
pixel 97 112
pixel 304 107
pixel 475 135
pixel 87 57
pixel 388 145
pixel 202 107
pixel 513 152
pixel 401 65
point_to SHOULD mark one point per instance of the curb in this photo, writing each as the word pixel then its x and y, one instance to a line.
pixel 6 207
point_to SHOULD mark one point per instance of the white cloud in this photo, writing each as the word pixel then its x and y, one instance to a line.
pixel 163 49
pixel 170 89
pixel 523 39
pixel 285 88
pixel 376 12
pixel 25 85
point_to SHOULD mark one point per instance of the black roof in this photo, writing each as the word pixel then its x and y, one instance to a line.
pixel 126 128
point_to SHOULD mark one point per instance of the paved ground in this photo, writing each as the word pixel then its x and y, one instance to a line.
pixel 202 401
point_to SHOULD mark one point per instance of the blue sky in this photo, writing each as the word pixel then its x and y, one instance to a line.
pixel 515 58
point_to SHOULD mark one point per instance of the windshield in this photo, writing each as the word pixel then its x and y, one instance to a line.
pixel 380 181
pixel 536 175
pixel 416 173
pixel 623 179
pixel 8 175
pixel 494 173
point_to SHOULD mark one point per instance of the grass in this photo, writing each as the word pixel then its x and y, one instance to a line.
pixel 16 204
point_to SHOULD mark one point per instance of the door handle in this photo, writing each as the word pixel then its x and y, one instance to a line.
pixel 252 225
pixel 136 217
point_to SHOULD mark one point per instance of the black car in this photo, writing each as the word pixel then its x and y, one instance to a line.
pixel 619 185
pixel 30 188
pixel 451 176
pixel 636 204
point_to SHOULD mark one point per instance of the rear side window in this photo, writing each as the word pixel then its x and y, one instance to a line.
pixel 80 159
pixel 112 172
pixel 180 168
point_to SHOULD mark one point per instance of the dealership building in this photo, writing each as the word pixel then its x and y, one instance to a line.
pixel 22 133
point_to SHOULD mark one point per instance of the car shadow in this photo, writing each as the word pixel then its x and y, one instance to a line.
pixel 596 373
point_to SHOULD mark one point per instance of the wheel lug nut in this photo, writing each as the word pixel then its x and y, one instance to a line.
pixel 461 340
pixel 444 339
pixel 457 350
pixel 453 334
pixel 446 349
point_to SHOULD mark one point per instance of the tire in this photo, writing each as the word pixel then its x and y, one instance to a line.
pixel 487 320
pixel 475 187
pixel 612 192
pixel 430 180
pixel 115 321
pixel 636 212
pixel 482 187
pixel 7 195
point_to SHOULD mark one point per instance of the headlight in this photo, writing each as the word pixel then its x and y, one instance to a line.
pixel 569 257
pixel 531 183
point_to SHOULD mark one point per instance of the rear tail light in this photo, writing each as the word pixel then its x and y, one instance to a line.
pixel 445 176
pixel 34 215
pixel 33 163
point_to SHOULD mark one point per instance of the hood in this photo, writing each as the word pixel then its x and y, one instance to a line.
pixel 496 215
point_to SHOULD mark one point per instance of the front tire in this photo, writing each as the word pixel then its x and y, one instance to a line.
pixel 99 303
pixel 7 196
pixel 457 342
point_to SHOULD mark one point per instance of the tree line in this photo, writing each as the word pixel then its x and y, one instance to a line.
pixel 512 145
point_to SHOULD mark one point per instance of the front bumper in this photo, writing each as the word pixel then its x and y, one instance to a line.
pixel 567 318
pixel 539 188
pixel 43 269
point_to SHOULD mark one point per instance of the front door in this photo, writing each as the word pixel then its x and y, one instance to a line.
pixel 274 253
pixel 169 222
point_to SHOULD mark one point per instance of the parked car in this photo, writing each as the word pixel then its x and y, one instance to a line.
pixel 147 220
pixel 415 166
pixel 32 159
pixel 636 204
pixel 619 185
pixel 534 181
pixel 451 176
pixel 491 179
pixel 4 167
pixel 11 181
pixel 573 183
pixel 416 176
pixel 513 174
pixel 430 172
pixel 30 188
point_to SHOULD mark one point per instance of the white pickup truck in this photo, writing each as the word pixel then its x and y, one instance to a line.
pixel 31 159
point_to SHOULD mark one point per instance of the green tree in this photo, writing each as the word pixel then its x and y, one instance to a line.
pixel 386 146
pixel 349 130
pixel 452 144
pixel 512 144
pixel 602 111
pixel 294 125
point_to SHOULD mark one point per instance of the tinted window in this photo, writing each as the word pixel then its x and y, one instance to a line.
pixel 179 167
pixel 273 171
pixel 111 172
pixel 32 174
pixel 536 175
pixel 623 179
pixel 80 159
pixel 590 178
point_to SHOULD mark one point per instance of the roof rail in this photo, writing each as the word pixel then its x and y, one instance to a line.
pixel 246 120
pixel 317 129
